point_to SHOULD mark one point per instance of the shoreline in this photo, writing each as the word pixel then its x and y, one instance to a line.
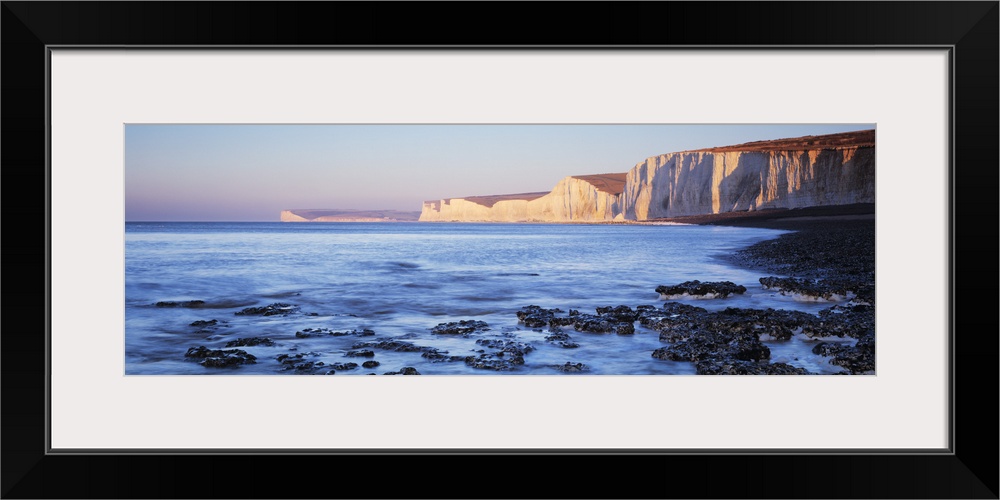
pixel 827 255
pixel 827 252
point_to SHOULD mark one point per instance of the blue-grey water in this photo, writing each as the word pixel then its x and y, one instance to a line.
pixel 402 279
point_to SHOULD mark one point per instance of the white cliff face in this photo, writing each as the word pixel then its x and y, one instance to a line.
pixel 697 183
pixel 691 183
pixel 572 200
pixel 288 216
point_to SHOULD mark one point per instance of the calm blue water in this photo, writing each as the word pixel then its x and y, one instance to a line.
pixel 402 279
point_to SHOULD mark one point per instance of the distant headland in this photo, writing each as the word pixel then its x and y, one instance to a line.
pixel 346 215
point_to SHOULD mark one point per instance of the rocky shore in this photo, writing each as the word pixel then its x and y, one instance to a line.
pixel 828 256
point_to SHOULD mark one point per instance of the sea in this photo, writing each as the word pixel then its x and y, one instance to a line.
pixel 335 285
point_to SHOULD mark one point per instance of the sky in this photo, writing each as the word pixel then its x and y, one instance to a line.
pixel 253 172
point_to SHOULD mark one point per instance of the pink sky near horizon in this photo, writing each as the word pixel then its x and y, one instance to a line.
pixel 252 172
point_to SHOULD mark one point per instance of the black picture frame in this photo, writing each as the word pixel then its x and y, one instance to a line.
pixel 969 28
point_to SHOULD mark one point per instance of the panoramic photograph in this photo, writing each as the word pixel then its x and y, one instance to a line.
pixel 556 250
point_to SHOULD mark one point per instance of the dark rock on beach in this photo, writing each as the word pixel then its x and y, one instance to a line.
pixel 360 333
pixel 391 345
pixel 718 289
pixel 623 314
pixel 360 354
pixel 817 289
pixel 370 364
pixel 600 324
pixel 406 370
pixel 253 341
pixel 507 346
pixel 463 327
pixel 218 358
pixel 857 359
pixel 488 361
pixel 298 363
pixel 200 322
pixel 186 303
pixel 670 314
pixel 538 317
pixel 737 367
pixel 507 355
pixel 313 332
pixel 708 344
pixel 770 324
pixel 343 366
pixel 276 309
pixel 571 367
pixel 562 340
pixel 839 321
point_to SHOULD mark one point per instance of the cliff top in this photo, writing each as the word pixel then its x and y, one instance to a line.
pixel 608 183
pixel 830 141
pixel 490 200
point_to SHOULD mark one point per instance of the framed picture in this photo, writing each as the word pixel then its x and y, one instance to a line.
pixel 189 70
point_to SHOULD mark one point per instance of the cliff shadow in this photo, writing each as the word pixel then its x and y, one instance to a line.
pixel 743 186
pixel 830 177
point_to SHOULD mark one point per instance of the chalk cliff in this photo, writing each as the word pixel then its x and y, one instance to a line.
pixel 576 198
pixel 836 169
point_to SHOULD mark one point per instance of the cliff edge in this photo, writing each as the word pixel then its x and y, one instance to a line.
pixel 824 170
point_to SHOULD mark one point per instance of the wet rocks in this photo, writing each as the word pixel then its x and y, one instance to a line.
pixel 508 355
pixel 624 329
pixel 839 321
pixel 203 323
pixel 360 333
pixel 857 359
pixel 463 327
pixel 488 361
pixel 670 314
pixel 360 354
pixel 738 367
pixel 391 345
pixel 571 367
pixel 406 370
pixel 772 324
pixel 601 324
pixel 253 341
pixel 511 348
pixel 315 332
pixel 539 317
pixel 298 363
pixel 218 358
pixel 370 364
pixel 710 345
pixel 708 289
pixel 678 322
pixel 344 366
pixel 815 289
pixel 435 355
pixel 276 309
pixel 562 340
pixel 185 303
pixel 623 314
